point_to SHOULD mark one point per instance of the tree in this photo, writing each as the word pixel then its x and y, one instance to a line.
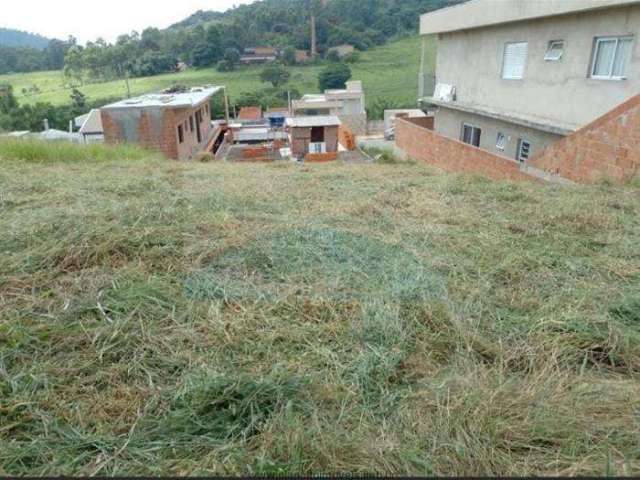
pixel 275 74
pixel 8 101
pixel 334 76
pixel 289 56
pixel 74 64
pixel 78 100
pixel 232 55
pixel 204 54
pixel 225 66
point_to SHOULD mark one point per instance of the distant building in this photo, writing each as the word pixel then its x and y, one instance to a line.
pixel 178 125
pixel 313 135
pixel 348 104
pixel 259 55
pixel 343 50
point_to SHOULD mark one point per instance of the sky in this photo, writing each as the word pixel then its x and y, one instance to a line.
pixel 88 20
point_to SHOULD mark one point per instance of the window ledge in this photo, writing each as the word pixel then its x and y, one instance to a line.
pixel 610 79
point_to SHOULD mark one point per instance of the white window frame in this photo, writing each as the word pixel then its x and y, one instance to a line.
pixel 473 128
pixel 504 58
pixel 501 141
pixel 548 57
pixel 596 45
pixel 521 142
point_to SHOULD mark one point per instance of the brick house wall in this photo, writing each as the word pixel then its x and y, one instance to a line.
pixel 301 138
pixel 157 129
pixel 420 143
pixel 609 148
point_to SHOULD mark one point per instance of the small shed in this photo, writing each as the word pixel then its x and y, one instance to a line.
pixel 315 135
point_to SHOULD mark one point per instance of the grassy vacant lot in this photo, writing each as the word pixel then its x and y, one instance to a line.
pixel 389 72
pixel 174 318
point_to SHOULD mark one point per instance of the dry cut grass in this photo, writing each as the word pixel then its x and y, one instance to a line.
pixel 163 318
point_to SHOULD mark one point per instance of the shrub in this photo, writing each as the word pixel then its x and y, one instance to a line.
pixel 353 57
pixel 275 74
pixel 205 157
pixel 335 75
pixel 225 66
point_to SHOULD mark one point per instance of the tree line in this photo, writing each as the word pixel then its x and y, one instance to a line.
pixel 29 59
pixel 209 38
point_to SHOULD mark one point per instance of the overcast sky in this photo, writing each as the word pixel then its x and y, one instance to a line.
pixel 90 19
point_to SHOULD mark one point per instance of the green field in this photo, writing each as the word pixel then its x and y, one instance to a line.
pixel 165 318
pixel 389 72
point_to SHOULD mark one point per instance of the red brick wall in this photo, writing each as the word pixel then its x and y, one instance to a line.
pixel 321 157
pixel 426 122
pixel 257 152
pixel 609 147
pixel 452 155
pixel 346 138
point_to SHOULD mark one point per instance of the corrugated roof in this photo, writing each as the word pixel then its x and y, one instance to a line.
pixel 317 121
pixel 170 100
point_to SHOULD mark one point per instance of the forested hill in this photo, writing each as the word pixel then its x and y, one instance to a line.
pixel 17 38
pixel 363 23
pixel 206 39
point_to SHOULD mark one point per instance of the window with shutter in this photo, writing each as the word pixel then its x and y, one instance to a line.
pixel 524 150
pixel 514 61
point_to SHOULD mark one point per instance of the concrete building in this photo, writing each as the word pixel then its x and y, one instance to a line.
pixel 178 125
pixel 515 76
pixel 349 105
pixel 315 135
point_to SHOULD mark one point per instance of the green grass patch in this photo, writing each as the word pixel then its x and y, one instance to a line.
pixel 163 318
pixel 64 152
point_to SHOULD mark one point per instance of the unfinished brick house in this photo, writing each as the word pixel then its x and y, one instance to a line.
pixel 178 125
pixel 314 137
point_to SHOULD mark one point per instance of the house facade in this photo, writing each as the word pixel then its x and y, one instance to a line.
pixel 178 125
pixel 515 76
pixel 317 135
pixel 348 104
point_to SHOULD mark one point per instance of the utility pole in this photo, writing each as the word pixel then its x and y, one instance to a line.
pixel 314 37
pixel 289 100
pixel 226 104
pixel 126 81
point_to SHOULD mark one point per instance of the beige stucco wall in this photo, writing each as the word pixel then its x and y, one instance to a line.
pixel 480 13
pixel 559 92
pixel 449 123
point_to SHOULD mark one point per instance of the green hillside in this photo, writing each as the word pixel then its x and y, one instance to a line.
pixel 389 72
